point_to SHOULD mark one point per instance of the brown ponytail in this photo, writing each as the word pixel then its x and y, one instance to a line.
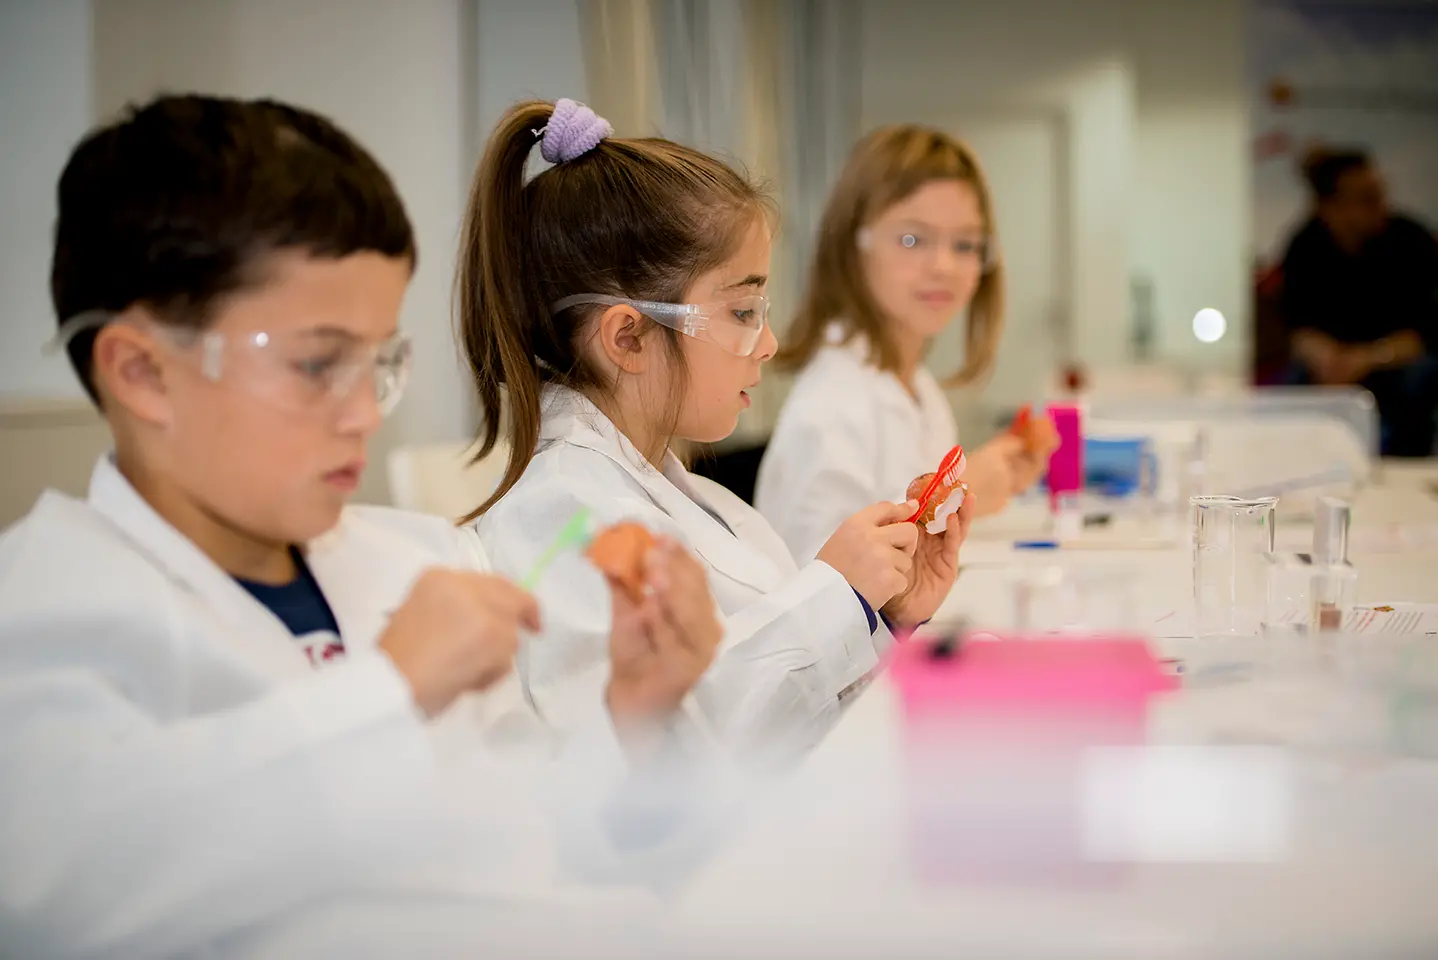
pixel 488 290
pixel 633 218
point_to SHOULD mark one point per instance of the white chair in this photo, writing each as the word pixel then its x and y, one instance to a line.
pixel 46 443
pixel 438 478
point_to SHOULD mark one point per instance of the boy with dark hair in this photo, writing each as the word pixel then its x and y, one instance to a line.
pixel 214 676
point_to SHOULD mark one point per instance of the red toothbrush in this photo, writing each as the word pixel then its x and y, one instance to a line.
pixel 951 468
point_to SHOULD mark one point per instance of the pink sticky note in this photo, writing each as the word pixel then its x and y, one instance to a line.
pixel 1058 692
pixel 996 740
pixel 1039 671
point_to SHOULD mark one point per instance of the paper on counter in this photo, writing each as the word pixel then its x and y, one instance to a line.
pixel 1402 618
pixel 1387 618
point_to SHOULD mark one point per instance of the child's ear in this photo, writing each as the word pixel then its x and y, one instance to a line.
pixel 621 337
pixel 129 368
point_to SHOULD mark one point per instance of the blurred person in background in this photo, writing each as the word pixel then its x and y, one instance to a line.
pixel 1360 298
pixel 906 246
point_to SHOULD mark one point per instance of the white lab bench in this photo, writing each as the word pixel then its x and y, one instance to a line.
pixel 827 867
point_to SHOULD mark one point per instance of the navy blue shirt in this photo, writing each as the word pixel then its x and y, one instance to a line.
pixel 301 606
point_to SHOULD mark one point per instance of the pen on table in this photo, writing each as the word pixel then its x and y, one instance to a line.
pixel 1154 544
pixel 946 647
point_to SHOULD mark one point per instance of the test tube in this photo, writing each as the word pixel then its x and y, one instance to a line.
pixel 1333 576
pixel 1312 593
pixel 1067 516
pixel 1195 478
pixel 1232 543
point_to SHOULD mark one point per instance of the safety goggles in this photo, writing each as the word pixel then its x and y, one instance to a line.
pixel 301 371
pixel 732 325
pixel 918 244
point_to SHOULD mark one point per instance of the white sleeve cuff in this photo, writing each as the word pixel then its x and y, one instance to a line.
pixel 849 652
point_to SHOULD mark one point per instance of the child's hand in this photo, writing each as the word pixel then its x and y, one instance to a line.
pixel 991 475
pixel 1043 438
pixel 661 646
pixel 457 631
pixel 936 564
pixel 1030 461
pixel 874 550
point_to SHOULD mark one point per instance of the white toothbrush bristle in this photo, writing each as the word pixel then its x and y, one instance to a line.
pixel 952 475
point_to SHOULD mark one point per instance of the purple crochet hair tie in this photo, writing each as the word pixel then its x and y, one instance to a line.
pixel 573 130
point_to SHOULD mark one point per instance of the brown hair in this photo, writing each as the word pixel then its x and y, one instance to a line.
pixel 640 218
pixel 177 203
pixel 1323 168
pixel 885 167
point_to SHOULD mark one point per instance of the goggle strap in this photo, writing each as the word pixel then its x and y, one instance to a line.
pixel 73 327
pixel 212 357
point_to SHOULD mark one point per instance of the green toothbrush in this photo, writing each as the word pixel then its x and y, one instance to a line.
pixel 576 533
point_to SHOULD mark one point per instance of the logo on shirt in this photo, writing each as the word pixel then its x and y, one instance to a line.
pixel 321 647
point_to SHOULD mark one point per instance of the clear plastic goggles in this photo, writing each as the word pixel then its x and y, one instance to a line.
pixel 301 371
pixel 731 325
pixel 921 243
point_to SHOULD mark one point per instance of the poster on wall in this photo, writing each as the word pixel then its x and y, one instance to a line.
pixel 1335 75
pixel 1359 74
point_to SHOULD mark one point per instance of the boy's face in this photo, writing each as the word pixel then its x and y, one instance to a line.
pixel 262 433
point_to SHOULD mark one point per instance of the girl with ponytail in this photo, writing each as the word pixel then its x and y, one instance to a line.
pixel 609 305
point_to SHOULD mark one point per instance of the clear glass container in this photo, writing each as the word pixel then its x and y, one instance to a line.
pixel 1306 596
pixel 1232 552
pixel 1313 593
pixel 1056 600
pixel 1066 520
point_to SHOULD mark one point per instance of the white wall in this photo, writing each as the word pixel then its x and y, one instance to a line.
pixel 44 110
pixel 1099 99
pixel 1374 52
pixel 389 73
pixel 1153 93
pixel 527 50
pixel 1193 187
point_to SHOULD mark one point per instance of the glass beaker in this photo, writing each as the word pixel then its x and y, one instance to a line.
pixel 1232 542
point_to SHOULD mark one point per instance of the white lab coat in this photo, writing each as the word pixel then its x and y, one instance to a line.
pixel 795 638
pixel 849 436
pixel 175 776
